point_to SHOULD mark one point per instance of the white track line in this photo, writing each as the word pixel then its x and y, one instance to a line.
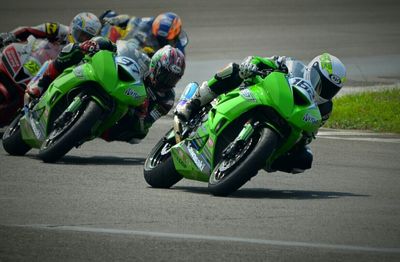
pixel 369 139
pixel 218 238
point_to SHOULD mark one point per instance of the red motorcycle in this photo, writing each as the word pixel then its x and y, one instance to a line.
pixel 19 62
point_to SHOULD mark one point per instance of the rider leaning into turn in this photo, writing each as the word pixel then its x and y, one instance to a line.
pixel 82 27
pixel 149 32
pixel 160 75
pixel 332 74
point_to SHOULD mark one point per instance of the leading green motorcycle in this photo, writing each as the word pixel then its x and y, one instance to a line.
pixel 79 105
pixel 246 130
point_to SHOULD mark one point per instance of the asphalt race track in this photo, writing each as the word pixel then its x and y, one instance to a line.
pixel 94 205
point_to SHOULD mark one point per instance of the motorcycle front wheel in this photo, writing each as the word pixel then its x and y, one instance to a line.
pixel 234 170
pixel 69 131
pixel 12 139
pixel 159 170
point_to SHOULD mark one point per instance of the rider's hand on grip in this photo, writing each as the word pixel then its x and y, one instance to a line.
pixel 89 47
pixel 247 68
pixel 280 62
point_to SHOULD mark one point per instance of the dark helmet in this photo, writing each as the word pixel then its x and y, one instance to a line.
pixel 332 73
pixel 166 28
pixel 166 68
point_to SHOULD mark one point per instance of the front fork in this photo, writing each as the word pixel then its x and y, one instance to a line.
pixel 239 143
pixel 178 129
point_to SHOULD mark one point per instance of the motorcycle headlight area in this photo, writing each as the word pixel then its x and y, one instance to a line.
pixel 128 70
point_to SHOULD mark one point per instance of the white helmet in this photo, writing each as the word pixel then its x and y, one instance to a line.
pixel 332 73
pixel 83 27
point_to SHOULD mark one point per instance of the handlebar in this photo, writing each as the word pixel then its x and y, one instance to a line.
pixel 263 73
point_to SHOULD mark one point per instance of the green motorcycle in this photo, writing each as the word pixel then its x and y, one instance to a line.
pixel 227 143
pixel 79 105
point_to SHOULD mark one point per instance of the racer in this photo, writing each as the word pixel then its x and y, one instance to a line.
pixel 148 32
pixel 332 74
pixel 83 27
pixel 160 76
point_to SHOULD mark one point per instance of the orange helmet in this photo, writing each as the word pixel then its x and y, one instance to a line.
pixel 167 26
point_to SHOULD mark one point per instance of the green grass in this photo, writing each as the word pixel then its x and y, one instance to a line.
pixel 375 111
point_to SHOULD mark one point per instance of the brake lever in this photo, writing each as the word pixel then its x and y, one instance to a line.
pixel 263 73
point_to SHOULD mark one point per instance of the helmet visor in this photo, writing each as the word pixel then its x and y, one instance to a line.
pixel 166 80
pixel 80 36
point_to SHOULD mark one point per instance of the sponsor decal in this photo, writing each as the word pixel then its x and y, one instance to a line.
pixel 200 165
pixel 78 72
pixel 132 93
pixel 51 28
pixel 310 119
pixel 247 95
pixel 35 130
pixel 335 79
pixel 32 66
pixel 13 58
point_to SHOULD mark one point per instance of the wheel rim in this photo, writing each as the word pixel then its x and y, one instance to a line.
pixel 14 127
pixel 223 168
pixel 60 129
pixel 162 153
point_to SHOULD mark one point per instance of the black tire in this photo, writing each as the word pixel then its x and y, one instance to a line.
pixel 159 170
pixel 260 146
pixel 12 139
pixel 75 131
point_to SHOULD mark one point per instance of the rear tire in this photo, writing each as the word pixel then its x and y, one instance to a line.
pixel 159 170
pixel 71 134
pixel 12 139
pixel 229 175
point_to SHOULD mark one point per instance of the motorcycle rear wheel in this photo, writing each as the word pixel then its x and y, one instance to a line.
pixel 159 170
pixel 12 139
pixel 230 174
pixel 61 140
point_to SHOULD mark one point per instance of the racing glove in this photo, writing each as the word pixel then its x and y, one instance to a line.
pixel 247 68
pixel 280 62
pixel 89 47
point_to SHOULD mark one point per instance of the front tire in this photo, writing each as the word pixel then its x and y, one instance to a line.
pixel 62 139
pixel 230 174
pixel 12 139
pixel 159 170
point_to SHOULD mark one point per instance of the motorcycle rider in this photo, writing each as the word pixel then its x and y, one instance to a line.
pixel 147 32
pixel 83 27
pixel 160 75
pixel 332 75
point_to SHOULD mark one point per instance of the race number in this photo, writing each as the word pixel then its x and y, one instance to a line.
pixel 303 84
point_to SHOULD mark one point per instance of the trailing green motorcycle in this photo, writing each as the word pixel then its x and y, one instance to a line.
pixel 79 105
pixel 246 130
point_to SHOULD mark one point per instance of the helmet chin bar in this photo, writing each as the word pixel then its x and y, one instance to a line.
pixel 319 100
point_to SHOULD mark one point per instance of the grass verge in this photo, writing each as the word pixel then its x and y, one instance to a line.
pixel 376 111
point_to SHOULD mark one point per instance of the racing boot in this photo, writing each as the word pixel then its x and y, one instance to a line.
pixel 192 100
pixel 40 82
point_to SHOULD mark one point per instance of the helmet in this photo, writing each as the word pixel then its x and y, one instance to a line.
pixel 166 27
pixel 107 14
pixel 166 68
pixel 332 73
pixel 84 26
